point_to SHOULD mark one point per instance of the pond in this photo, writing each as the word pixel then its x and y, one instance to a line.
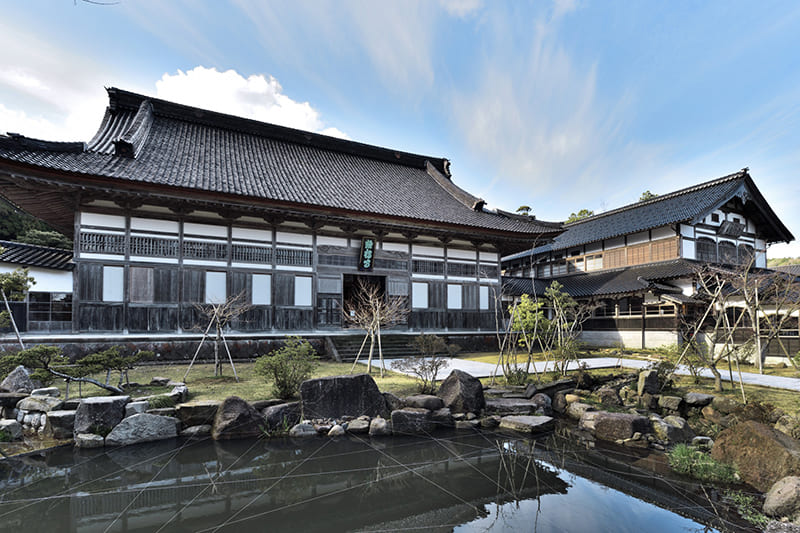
pixel 453 482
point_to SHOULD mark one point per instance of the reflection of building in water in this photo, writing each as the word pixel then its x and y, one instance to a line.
pixel 323 486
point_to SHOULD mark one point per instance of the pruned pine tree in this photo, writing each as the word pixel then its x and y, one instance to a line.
pixel 372 311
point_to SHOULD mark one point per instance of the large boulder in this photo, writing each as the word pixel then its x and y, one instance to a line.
pixel 60 424
pixel 237 419
pixel 762 454
pixel 462 393
pixel 142 427
pixel 698 399
pixel 424 401
pixel 648 382
pixel 543 404
pixel 18 380
pixel 380 427
pixel 512 406
pixel 672 429
pixel 575 410
pixel 412 421
pixel 783 499
pixel 337 396
pixel 197 413
pixel 11 429
pixel 42 404
pixel 282 417
pixel 614 426
pixel 100 414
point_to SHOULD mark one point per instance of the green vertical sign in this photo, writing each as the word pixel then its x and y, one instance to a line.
pixel 367 257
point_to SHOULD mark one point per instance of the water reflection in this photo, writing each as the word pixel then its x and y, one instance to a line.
pixel 476 482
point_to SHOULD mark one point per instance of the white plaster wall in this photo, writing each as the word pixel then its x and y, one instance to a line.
pixel 417 249
pixel 104 221
pixel 628 339
pixel 688 249
pixel 662 233
pixel 47 280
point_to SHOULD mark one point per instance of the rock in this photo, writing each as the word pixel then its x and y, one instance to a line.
pixel 198 412
pixel 527 424
pixel 783 498
pixel 392 401
pixel 89 440
pixel 789 425
pixel 530 390
pixel 336 396
pixel 510 406
pixel 490 422
pixel 442 418
pixel 560 402
pixel 412 421
pixel 9 400
pixel 571 398
pixel 674 404
pixel 762 454
pixel 71 405
pixel 584 380
pixel 380 427
pixel 648 401
pixel 135 408
pixel 543 405
pixel 724 405
pixel 358 426
pixel 157 381
pixel 467 424
pixel 142 427
pixel 18 380
pixel 280 418
pixel 303 430
pixel 703 443
pixel 608 396
pixel 648 382
pixel 672 429
pixel 557 386
pixel 260 405
pixel 60 424
pixel 46 391
pixel 180 393
pixel 424 401
pixel 11 428
pixel 40 403
pixel 575 410
pixel 697 399
pixel 164 411
pixel 237 419
pixel 614 426
pixel 100 414
pixel 196 432
pixel 336 431
pixel 462 393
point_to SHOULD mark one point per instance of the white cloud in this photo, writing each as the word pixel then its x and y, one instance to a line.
pixel 461 8
pixel 257 97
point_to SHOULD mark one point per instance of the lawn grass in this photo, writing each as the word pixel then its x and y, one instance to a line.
pixel 203 385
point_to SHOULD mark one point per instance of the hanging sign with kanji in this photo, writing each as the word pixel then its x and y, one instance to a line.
pixel 367 257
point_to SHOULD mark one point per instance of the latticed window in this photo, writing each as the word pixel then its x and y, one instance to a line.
pixel 391 264
pixel 488 271
pixel 639 254
pixel 464 270
pixel 664 249
pixel 293 256
pixel 614 258
pixel 594 262
pixel 706 250
pixel 559 268
pixel 575 265
pixel 153 246
pixel 421 266
pixel 243 253
pixel 103 243
pixel 727 253
pixel 205 250
pixel 340 260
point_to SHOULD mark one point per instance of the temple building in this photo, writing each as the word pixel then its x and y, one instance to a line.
pixel 170 206
pixel 638 264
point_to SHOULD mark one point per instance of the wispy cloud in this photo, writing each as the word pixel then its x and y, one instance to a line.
pixel 257 97
pixel 461 8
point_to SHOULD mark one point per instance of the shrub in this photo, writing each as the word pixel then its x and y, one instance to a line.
pixel 5 436
pixel 748 508
pixel 699 465
pixel 288 366
pixel 161 401
pixel 430 361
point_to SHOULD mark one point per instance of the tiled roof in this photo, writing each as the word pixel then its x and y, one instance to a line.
pixel 31 255
pixel 609 282
pixel 149 141
pixel 691 204
pixel 794 270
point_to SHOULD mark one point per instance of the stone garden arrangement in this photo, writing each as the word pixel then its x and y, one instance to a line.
pixel 624 410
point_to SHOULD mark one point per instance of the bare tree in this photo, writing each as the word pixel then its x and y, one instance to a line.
pixel 219 315
pixel 372 311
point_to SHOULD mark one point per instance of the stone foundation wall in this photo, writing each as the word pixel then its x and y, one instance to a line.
pixel 629 339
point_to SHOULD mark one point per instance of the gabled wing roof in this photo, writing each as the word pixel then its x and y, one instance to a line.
pixel 609 282
pixel 691 204
pixel 153 142
pixel 31 255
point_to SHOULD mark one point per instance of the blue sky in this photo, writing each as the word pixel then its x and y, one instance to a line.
pixel 558 105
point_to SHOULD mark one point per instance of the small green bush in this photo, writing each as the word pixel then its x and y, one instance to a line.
pixel 288 366
pixel 699 465
pixel 161 401
pixel 747 507
pixel 5 436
